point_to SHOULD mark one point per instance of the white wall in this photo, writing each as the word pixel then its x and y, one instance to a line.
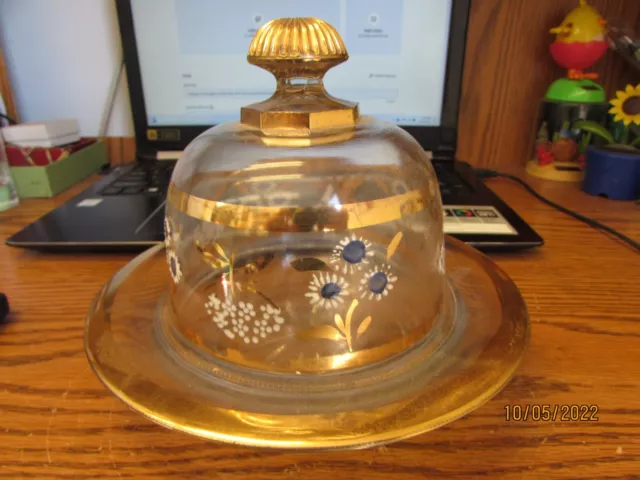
pixel 61 56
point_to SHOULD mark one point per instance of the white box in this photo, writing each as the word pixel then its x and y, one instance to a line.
pixel 42 134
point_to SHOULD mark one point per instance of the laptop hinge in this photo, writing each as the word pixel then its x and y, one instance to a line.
pixel 158 156
pixel 168 154
pixel 147 157
pixel 444 153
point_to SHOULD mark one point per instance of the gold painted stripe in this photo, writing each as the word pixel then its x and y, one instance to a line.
pixel 297 219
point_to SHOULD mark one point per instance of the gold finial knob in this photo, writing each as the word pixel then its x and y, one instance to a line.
pixel 297 40
pixel 298 52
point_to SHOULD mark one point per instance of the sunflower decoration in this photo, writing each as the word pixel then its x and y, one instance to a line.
pixel 626 106
pixel 620 134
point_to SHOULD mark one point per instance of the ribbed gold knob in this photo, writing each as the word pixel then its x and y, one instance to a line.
pixel 298 51
pixel 302 39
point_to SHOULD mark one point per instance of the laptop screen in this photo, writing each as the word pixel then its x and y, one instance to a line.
pixel 194 69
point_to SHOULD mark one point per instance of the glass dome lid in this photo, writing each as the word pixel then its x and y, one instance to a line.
pixel 306 277
pixel 304 238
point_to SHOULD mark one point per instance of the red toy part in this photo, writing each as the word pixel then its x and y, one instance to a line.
pixel 577 55
pixel 544 156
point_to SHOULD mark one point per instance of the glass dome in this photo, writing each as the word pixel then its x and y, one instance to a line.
pixel 306 303
pixel 303 239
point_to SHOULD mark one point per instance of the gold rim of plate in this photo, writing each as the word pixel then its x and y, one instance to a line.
pixel 123 350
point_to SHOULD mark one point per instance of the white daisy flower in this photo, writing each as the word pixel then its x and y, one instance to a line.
pixel 170 235
pixel 327 290
pixel 377 283
pixel 351 254
pixel 174 265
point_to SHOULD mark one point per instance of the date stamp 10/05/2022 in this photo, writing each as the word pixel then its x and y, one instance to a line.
pixel 551 413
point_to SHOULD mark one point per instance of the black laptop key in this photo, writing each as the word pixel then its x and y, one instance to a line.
pixel 136 176
pixel 450 181
pixel 111 191
pixel 132 190
pixel 129 183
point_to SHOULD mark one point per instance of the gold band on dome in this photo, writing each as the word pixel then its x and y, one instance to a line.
pixel 297 219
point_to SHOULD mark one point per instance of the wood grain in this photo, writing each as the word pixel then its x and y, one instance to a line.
pixel 114 150
pixel 6 91
pixel 508 69
pixel 57 421
pixel 128 149
pixel 120 150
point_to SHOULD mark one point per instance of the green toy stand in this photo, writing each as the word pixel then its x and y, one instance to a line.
pixel 576 91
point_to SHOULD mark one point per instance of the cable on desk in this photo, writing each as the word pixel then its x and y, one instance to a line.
pixel 486 173
pixel 8 119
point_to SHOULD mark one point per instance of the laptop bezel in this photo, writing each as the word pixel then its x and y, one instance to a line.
pixel 442 140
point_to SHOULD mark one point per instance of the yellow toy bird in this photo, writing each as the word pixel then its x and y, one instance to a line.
pixel 580 41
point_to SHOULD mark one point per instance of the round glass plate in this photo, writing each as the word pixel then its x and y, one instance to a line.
pixel 469 355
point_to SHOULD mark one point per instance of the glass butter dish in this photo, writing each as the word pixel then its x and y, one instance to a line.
pixel 306 296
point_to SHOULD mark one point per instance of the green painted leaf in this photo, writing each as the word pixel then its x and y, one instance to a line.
pixel 595 128
pixel 308 264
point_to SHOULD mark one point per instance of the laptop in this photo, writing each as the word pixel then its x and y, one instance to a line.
pixel 187 70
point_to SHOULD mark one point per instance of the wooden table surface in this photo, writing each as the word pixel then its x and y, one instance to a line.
pixel 583 294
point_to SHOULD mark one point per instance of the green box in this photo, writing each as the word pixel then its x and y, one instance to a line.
pixel 50 180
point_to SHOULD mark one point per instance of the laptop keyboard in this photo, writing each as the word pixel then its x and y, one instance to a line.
pixel 450 182
pixel 153 179
pixel 149 179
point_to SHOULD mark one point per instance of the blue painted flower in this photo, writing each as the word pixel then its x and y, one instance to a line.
pixel 351 253
pixel 174 266
pixel 327 290
pixel 377 283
